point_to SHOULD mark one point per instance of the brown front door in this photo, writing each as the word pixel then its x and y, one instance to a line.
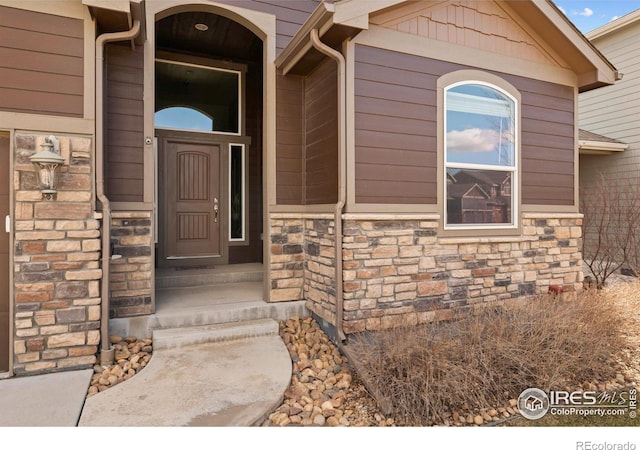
pixel 4 253
pixel 192 202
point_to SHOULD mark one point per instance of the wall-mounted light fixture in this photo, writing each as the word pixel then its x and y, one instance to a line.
pixel 47 163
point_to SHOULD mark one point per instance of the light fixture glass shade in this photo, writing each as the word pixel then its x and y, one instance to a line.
pixel 46 163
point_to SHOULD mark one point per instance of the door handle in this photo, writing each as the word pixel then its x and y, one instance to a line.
pixel 215 210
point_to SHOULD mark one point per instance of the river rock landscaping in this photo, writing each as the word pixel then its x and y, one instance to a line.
pixel 131 356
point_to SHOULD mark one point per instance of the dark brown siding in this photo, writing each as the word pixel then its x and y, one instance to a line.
pixel 41 63
pixel 396 124
pixel 547 142
pixel 124 123
pixel 253 251
pixel 395 128
pixel 321 135
pixel 289 139
pixel 290 14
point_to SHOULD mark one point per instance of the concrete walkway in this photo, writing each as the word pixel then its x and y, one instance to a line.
pixel 53 400
pixel 230 383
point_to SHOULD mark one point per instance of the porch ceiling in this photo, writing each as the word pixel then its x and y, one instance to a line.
pixel 224 38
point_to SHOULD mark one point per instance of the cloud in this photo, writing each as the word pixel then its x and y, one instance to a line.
pixel 562 9
pixel 587 12
pixel 614 18
pixel 472 140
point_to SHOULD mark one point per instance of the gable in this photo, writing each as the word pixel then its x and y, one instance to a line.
pixel 485 25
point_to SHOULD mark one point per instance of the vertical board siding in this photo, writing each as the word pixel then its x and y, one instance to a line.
pixel 321 134
pixel 289 139
pixel 124 125
pixel 397 120
pixel 614 111
pixel 41 63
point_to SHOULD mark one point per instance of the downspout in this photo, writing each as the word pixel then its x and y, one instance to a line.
pixel 342 178
pixel 106 351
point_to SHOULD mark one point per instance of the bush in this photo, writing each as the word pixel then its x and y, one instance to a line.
pixel 482 361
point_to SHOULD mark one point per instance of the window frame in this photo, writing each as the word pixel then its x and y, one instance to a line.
pixel 504 88
pixel 241 106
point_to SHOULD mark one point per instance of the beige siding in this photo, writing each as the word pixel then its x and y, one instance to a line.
pixel 486 25
pixel 614 111
pixel 41 63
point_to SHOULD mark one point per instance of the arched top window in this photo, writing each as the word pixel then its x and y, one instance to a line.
pixel 480 156
pixel 183 118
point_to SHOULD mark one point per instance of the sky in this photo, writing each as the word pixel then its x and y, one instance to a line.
pixel 587 15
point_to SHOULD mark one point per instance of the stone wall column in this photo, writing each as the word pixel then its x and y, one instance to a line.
pixel 131 269
pixel 56 261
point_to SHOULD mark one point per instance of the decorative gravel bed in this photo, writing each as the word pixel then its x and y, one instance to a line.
pixel 131 356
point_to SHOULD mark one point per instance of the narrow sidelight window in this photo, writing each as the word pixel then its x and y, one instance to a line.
pixel 237 192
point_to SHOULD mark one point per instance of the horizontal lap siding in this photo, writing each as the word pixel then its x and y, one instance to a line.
pixel 289 139
pixel 396 125
pixel 290 14
pixel 321 135
pixel 548 141
pixel 614 111
pixel 124 123
pixel 395 128
pixel 41 63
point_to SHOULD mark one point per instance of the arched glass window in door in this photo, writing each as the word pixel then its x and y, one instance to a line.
pixel 183 118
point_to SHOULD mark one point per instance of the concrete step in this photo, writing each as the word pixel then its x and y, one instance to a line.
pixel 237 273
pixel 180 337
pixel 228 313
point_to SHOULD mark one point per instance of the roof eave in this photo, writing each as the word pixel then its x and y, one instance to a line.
pixel 588 147
pixel 321 19
pixel 594 70
pixel 336 22
pixel 118 15
pixel 614 25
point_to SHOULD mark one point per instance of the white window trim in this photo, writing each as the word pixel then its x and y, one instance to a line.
pixel 514 169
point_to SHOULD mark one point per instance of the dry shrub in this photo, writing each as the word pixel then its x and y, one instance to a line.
pixel 482 361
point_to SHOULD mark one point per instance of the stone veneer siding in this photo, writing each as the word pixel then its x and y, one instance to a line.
pixel 131 276
pixel 401 272
pixel 56 261
pixel 398 270
pixel 303 261
pixel 287 257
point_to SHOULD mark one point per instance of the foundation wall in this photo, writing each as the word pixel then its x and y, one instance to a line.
pixel 402 271
pixel 131 276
